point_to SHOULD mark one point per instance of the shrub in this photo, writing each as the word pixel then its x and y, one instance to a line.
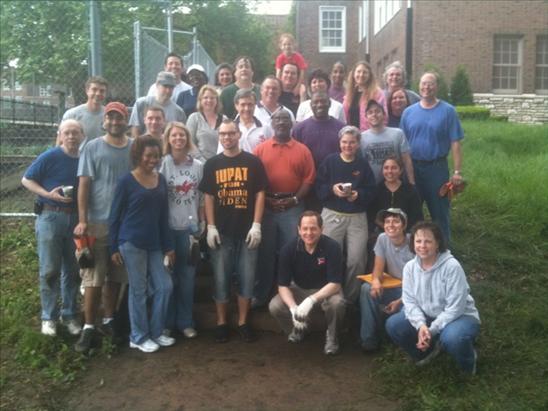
pixel 461 91
pixel 473 112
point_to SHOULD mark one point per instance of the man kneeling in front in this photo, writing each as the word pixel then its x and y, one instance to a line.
pixel 309 277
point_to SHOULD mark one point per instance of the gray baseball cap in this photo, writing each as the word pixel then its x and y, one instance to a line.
pixel 382 214
pixel 165 78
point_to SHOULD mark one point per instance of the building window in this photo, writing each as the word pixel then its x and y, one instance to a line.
pixel 507 60
pixel 44 91
pixel 541 74
pixel 383 11
pixel 332 29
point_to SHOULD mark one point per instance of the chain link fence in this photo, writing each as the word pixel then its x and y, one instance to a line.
pixel 30 111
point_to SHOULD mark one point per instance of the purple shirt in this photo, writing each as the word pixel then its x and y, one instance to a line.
pixel 320 136
pixel 336 93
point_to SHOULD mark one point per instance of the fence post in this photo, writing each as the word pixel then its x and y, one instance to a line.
pixel 95 39
pixel 137 57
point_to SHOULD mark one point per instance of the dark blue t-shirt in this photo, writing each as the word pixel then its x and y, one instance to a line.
pixel 54 168
pixel 310 271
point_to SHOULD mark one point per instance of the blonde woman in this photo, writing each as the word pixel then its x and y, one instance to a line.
pixel 204 123
pixel 360 88
pixel 185 217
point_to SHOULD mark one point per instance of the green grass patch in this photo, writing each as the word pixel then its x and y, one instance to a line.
pixel 500 234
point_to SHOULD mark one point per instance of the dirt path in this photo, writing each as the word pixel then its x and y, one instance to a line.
pixel 269 374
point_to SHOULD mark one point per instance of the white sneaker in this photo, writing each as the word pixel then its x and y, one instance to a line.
pixel 331 344
pixel 164 341
pixel 73 326
pixel 49 328
pixel 145 346
pixel 190 332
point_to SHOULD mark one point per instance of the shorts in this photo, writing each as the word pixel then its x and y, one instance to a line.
pixel 104 269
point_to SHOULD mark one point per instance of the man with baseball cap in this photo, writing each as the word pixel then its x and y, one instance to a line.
pixel 165 83
pixel 174 64
pixel 197 77
pixel 391 254
pixel 102 162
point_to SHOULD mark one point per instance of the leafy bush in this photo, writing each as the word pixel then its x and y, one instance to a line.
pixel 461 91
pixel 473 112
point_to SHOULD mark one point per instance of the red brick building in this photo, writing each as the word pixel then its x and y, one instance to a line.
pixel 502 44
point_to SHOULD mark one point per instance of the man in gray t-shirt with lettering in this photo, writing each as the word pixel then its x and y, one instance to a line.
pixel 102 162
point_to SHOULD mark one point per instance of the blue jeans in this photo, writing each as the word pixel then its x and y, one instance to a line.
pixel 58 266
pixel 371 316
pixel 233 256
pixel 147 279
pixel 179 315
pixel 457 338
pixel 277 229
pixel 429 179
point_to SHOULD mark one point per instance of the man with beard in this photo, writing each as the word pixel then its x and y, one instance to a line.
pixel 102 162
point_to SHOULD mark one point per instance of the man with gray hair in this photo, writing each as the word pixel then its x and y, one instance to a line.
pixel 165 83
pixel 394 78
pixel 52 177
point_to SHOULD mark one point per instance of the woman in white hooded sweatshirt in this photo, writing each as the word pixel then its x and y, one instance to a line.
pixel 439 312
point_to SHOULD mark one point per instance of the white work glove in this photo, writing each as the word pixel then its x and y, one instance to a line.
pixel 213 237
pixel 304 308
pixel 253 236
pixel 298 325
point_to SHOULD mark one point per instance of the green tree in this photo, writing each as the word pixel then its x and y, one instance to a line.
pixel 461 91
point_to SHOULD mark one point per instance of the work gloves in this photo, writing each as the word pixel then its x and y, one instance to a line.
pixel 253 236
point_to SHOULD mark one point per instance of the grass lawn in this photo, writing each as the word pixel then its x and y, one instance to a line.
pixel 500 229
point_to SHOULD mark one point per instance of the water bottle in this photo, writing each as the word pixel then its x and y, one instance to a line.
pixel 193 225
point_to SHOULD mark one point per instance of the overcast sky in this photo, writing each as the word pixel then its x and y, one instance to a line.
pixel 273 7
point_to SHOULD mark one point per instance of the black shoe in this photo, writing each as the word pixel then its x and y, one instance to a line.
pixel 107 329
pixel 246 333
pixel 221 333
pixel 85 341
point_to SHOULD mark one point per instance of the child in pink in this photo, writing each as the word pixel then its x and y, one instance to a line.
pixel 289 55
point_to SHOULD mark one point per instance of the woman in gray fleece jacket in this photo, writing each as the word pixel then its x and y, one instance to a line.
pixel 439 312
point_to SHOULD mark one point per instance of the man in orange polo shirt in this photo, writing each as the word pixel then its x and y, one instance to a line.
pixel 290 170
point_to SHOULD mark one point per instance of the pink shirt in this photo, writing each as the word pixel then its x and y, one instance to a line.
pixel 364 124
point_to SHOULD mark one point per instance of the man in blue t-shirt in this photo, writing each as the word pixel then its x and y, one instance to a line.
pixel 309 276
pixel 52 177
pixel 432 128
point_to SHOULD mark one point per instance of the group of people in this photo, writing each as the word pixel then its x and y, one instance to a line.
pixel 286 182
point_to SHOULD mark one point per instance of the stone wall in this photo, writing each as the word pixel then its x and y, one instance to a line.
pixel 524 108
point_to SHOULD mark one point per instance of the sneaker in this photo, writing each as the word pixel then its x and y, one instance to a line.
pixel 295 336
pixel 145 346
pixel 331 344
pixel 73 326
pixel 84 342
pixel 246 333
pixel 164 341
pixel 431 355
pixel 107 329
pixel 221 333
pixel 190 332
pixel 369 347
pixel 49 328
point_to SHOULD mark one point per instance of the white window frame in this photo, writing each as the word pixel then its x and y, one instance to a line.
pixel 543 65
pixel 383 11
pixel 518 65
pixel 332 49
